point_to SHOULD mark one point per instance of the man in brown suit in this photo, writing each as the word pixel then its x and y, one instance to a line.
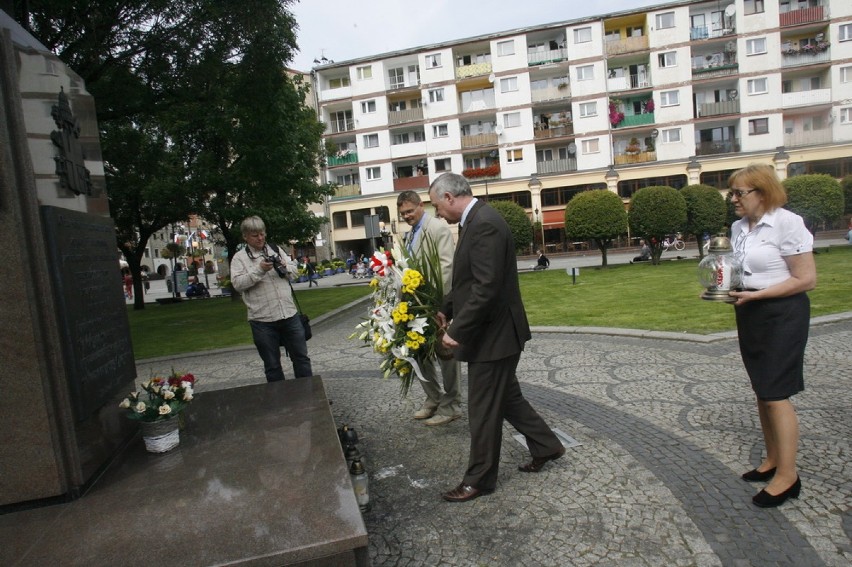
pixel 488 328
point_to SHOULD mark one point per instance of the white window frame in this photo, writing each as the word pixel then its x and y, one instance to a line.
pixel 373 173
pixel 671 136
pixel 338 83
pixel 590 146
pixel 505 48
pixel 756 46
pixel 583 70
pixel 667 59
pixel 583 35
pixel 512 119
pixel 440 130
pixel 508 84
pixel 670 98
pixel 364 72
pixel 846 115
pixel 371 140
pixel 588 109
pixel 752 7
pixel 514 155
pixel 447 164
pixel 665 20
pixel 753 123
pixel 844 32
pixel 368 106
pixel 436 95
pixel 433 60
pixel 755 84
pixel 846 74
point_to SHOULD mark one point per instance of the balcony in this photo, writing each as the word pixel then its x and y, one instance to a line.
pixel 717 147
pixel 718 108
pixel 338 126
pixel 706 32
pixel 713 71
pixel 556 166
pixel 803 16
pixel 627 45
pixel 346 191
pixel 551 93
pixel 554 132
pixel 636 120
pixel 487 172
pixel 812 138
pixel 475 70
pixel 641 157
pixel 806 98
pixel 343 159
pixel 628 82
pixel 542 57
pixel 478 140
pixel 402 116
pixel 411 183
pixel 793 58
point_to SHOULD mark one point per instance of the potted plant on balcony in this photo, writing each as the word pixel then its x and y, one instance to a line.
pixel 633 147
pixel 615 116
pixel 648 106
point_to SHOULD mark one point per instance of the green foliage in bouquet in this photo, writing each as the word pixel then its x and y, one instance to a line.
pixel 165 398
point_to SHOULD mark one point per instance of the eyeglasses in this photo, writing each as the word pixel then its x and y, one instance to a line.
pixel 740 193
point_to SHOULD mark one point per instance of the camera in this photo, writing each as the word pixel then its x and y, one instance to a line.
pixel 280 268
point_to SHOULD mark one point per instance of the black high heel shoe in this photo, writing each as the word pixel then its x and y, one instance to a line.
pixel 766 500
pixel 757 476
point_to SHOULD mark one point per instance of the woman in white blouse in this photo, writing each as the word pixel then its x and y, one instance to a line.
pixel 773 315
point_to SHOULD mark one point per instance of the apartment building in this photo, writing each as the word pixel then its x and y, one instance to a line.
pixel 675 94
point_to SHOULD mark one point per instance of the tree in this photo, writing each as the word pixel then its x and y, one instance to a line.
pixel 518 221
pixel 597 215
pixel 705 212
pixel 654 213
pixel 846 183
pixel 816 197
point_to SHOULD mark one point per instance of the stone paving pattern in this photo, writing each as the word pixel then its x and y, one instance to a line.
pixel 666 427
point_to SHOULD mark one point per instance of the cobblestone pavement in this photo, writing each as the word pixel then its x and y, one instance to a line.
pixel 665 428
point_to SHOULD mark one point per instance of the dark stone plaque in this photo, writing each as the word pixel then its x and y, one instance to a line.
pixel 92 318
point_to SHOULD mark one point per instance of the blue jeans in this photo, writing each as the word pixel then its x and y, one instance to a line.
pixel 270 337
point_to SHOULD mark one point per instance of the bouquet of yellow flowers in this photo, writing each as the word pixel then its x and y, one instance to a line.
pixel 402 325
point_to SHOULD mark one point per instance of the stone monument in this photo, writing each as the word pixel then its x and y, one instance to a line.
pixel 65 350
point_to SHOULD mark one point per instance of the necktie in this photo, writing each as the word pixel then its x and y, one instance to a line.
pixel 411 239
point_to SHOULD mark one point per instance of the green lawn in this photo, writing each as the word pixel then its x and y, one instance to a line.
pixel 638 296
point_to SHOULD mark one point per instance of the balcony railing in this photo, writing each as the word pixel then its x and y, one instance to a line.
pixel 346 191
pixel 803 58
pixel 345 159
pixel 401 116
pixel 411 183
pixel 718 147
pixel 636 120
pixel 556 166
pixel 803 16
pixel 478 140
pixel 474 70
pixel 812 138
pixel 541 57
pixel 729 67
pixel 551 93
pixel 641 157
pixel 706 32
pixel 337 126
pixel 627 45
pixel 718 108
pixel 554 132
pixel 806 98
pixel 628 82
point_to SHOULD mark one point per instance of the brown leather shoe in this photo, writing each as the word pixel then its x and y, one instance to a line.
pixel 538 463
pixel 465 492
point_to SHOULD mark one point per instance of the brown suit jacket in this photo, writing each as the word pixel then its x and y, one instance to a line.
pixel 488 317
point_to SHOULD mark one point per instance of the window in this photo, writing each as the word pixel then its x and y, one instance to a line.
pixel 671 136
pixel 374 173
pixel 665 20
pixel 669 98
pixel 509 84
pixel 844 32
pixel 514 155
pixel 512 119
pixel 667 59
pixel 588 109
pixel 538 84
pixel 757 86
pixel 590 146
pixel 440 131
pixel 506 47
pixel 397 78
pixel 846 74
pixel 368 106
pixel 338 83
pixel 407 138
pixel 758 126
pixel 753 6
pixel 586 73
pixel 756 46
pixel 365 72
pixel 396 105
pixel 433 60
pixel 436 95
pixel 371 141
pixel 442 164
pixel 583 35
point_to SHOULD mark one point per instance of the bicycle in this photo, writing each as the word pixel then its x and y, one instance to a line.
pixel 678 243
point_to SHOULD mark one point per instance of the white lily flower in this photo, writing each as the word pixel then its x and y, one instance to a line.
pixel 418 325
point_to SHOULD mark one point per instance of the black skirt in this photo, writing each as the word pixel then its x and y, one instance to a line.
pixel 773 334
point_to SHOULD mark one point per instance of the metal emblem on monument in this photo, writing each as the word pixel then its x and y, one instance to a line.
pixel 70 163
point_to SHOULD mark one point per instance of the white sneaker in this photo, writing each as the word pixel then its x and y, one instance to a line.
pixel 441 419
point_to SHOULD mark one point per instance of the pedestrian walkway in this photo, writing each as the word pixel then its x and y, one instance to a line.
pixel 663 429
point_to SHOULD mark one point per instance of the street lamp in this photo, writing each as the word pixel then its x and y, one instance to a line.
pixel 535 187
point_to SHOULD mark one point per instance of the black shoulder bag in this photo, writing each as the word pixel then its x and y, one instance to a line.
pixel 306 321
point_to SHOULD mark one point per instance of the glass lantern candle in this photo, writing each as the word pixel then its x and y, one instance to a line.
pixel 720 271
pixel 360 484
